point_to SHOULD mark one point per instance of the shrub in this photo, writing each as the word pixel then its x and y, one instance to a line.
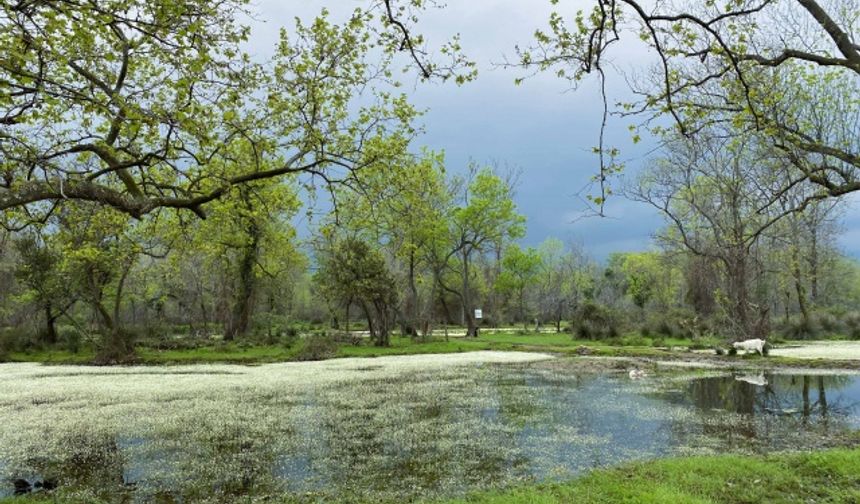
pixel 823 324
pixel 676 323
pixel 800 329
pixel 69 338
pixel 289 337
pixel 594 321
pixel 16 340
pixel 317 347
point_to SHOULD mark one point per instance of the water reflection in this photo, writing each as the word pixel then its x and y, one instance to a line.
pixel 435 434
pixel 803 396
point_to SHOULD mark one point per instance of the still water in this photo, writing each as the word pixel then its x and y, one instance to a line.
pixel 394 435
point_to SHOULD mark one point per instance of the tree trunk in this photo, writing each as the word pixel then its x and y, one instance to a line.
pixel 117 346
pixel 798 286
pixel 739 309
pixel 347 315
pixel 411 327
pixel 382 324
pixel 471 328
pixel 117 304
pixel 243 303
pixel 50 336
pixel 813 266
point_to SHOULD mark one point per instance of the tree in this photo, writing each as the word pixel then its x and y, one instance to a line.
pixel 718 194
pixel 140 105
pixel 786 70
pixel 650 277
pixel 400 206
pixel 98 249
pixel 247 238
pixel 520 270
pixel 553 281
pixel 485 215
pixel 49 288
pixel 353 272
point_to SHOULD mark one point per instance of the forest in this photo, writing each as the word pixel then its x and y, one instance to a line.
pixel 417 250
pixel 224 269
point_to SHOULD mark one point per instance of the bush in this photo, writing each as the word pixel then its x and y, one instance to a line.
pixel 823 324
pixel 629 340
pixel 679 323
pixel 69 338
pixel 15 340
pixel 317 347
pixel 289 337
pixel 593 321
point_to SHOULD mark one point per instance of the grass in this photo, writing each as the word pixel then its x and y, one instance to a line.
pixel 231 353
pixel 628 345
pixel 240 353
pixel 828 476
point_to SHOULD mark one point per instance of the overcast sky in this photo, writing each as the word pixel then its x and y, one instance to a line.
pixel 540 127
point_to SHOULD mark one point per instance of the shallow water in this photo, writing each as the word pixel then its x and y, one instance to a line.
pixel 381 433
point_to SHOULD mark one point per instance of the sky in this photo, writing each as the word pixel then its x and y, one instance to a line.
pixel 541 128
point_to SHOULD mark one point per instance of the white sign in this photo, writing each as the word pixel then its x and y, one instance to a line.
pixel 479 313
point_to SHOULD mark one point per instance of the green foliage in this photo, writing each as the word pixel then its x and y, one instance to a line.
pixel 353 272
pixel 318 346
pixel 520 270
pixel 164 101
pixel 594 321
pixel 828 476
pixel 822 324
pixel 70 339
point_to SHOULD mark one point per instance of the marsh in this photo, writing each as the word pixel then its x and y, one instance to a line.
pixel 389 429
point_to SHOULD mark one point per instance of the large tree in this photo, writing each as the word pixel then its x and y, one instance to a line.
pixel 484 216
pixel 788 70
pixel 520 271
pixel 48 288
pixel 718 194
pixel 400 205
pixel 142 104
pixel 351 271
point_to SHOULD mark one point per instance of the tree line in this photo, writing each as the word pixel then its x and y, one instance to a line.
pixel 152 170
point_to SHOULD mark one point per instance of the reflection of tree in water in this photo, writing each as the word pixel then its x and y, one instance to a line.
pixel 770 414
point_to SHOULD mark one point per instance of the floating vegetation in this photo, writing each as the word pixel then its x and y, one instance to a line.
pixel 395 429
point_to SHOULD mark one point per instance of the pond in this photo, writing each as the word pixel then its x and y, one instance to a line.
pixel 387 429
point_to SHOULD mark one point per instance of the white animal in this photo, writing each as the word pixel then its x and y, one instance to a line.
pixel 636 374
pixel 759 380
pixel 750 344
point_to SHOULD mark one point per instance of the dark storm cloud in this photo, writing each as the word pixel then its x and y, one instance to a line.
pixel 541 127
